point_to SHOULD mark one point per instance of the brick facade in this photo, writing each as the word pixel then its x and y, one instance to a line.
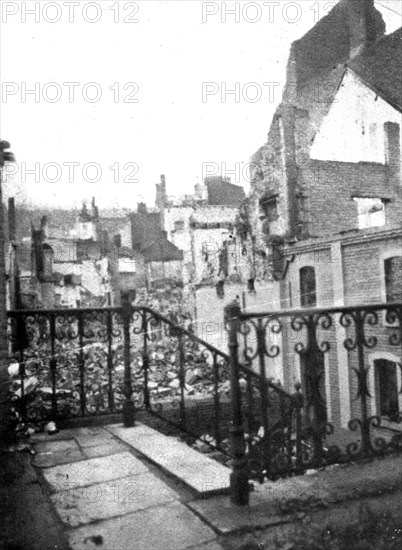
pixel 334 143
pixel 349 271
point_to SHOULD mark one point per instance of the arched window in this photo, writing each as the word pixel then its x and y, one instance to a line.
pixel 308 295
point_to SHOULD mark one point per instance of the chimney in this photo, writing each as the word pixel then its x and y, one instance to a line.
pixel 157 195
pixel 392 133
pixel 163 183
pixel 44 227
pixel 11 220
pixel 37 238
pixel 94 209
pixel 200 191
pixel 163 190
pixel 365 24
pixel 142 208
pixel 104 242
pixel 161 196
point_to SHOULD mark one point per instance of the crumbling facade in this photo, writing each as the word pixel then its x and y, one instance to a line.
pixel 325 205
pixel 217 266
pixel 79 268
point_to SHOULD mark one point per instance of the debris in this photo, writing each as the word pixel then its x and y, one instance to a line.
pixel 190 377
pixel 163 392
pixel 198 373
pixel 51 428
pixel 242 383
pixel 30 385
pixel 14 369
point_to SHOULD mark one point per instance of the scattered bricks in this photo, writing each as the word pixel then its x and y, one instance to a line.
pixel 190 377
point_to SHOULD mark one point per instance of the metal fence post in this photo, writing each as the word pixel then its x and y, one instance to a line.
pixel 145 358
pixel 128 407
pixel 297 405
pixel 239 476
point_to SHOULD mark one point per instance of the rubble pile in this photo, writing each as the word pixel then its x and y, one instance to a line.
pixel 70 379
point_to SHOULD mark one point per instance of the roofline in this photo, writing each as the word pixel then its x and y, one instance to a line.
pixel 375 90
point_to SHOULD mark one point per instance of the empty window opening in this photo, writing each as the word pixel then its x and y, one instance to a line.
pixel 179 226
pixel 269 208
pixel 370 212
pixel 308 294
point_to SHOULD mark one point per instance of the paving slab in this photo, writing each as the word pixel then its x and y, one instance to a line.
pixel 268 504
pixel 130 435
pixel 94 470
pixel 169 527
pixel 111 448
pixel 56 446
pixel 202 474
pixel 81 505
pixel 90 431
pixel 227 517
pixel 271 503
pixel 67 433
pixel 94 440
pixel 50 459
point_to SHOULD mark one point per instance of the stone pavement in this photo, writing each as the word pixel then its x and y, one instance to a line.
pixel 109 496
pixel 134 489
pixel 199 472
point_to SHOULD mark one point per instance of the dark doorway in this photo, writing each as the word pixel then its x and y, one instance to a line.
pixel 308 294
pixel 387 387
pixel 312 369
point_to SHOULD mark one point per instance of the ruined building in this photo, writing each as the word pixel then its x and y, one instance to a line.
pixel 325 206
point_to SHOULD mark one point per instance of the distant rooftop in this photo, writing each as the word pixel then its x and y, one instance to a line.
pixel 221 192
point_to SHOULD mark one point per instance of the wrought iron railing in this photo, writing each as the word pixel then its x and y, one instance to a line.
pixel 68 363
pixel 346 365
pixel 81 363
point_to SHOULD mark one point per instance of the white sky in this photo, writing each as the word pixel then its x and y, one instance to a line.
pixel 168 54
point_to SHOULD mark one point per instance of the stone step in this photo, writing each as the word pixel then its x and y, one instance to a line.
pixel 201 474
